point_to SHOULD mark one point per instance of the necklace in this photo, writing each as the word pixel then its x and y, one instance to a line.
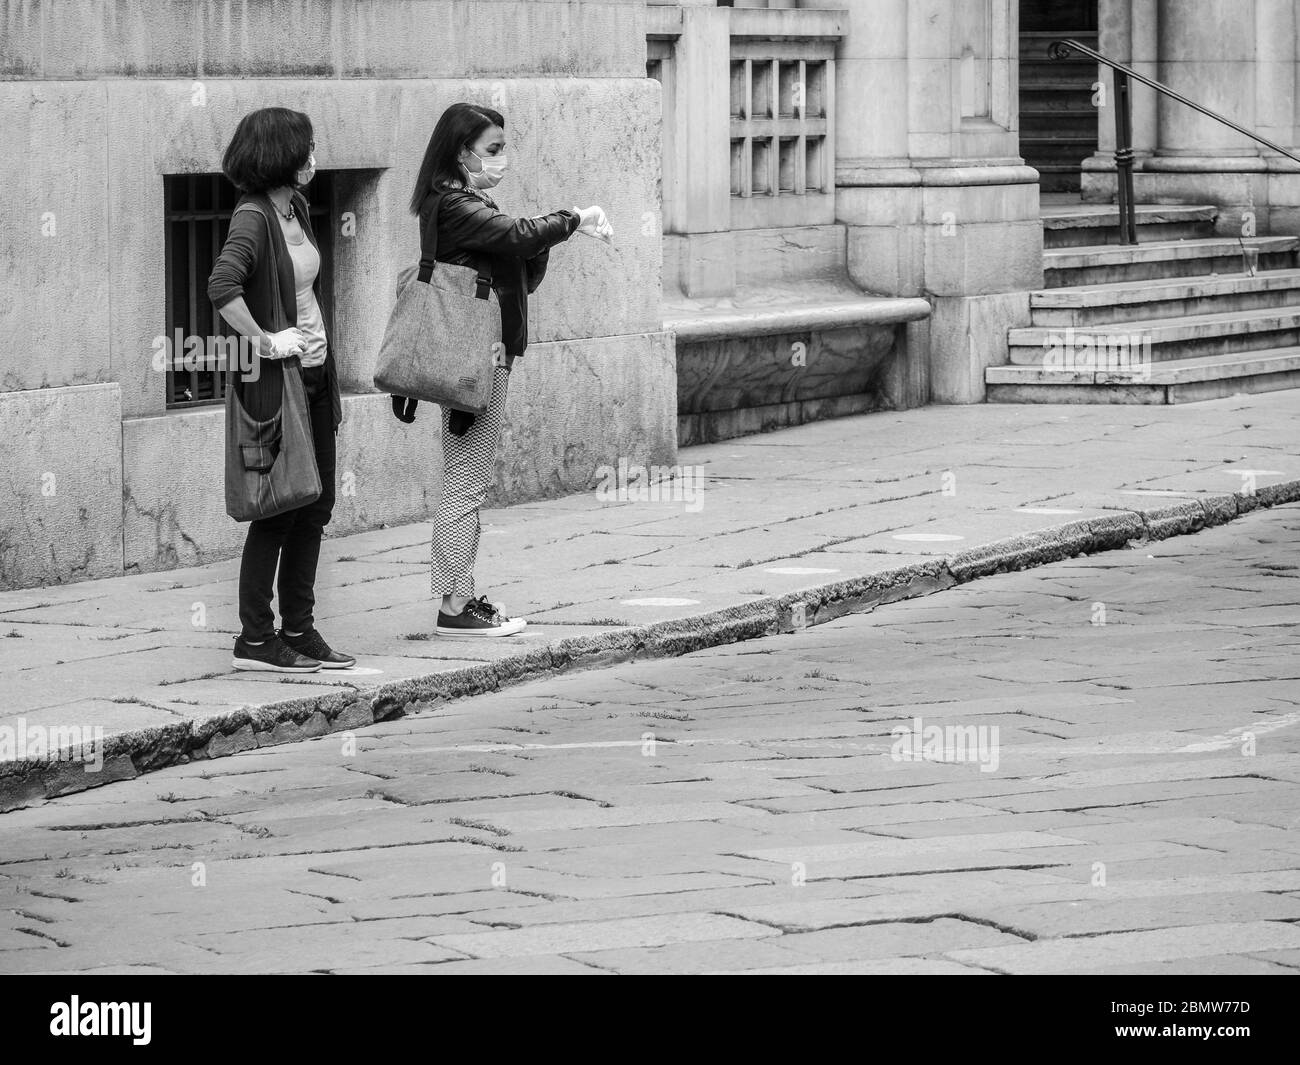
pixel 286 215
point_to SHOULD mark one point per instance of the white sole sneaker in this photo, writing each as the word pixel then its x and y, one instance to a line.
pixel 253 665
pixel 510 628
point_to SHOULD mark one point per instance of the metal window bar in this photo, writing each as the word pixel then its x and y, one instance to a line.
pixel 778 124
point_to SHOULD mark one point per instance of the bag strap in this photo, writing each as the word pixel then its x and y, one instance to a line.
pixel 429 240
pixel 429 249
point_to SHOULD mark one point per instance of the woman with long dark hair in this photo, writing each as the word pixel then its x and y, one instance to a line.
pixel 271 159
pixel 466 157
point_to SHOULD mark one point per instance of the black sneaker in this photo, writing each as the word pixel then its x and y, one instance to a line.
pixel 479 618
pixel 312 644
pixel 273 656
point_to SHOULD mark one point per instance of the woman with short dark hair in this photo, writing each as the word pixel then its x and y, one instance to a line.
pixel 466 157
pixel 271 159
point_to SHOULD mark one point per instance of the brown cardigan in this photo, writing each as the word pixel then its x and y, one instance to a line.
pixel 244 269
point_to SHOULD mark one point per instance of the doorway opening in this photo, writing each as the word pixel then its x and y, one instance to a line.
pixel 1058 119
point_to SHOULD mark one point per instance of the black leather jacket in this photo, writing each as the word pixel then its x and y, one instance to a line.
pixel 473 231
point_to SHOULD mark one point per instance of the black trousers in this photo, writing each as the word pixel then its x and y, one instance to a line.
pixel 291 539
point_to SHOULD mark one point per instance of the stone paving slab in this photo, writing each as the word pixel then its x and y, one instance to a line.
pixel 1138 948
pixel 569 849
pixel 945 494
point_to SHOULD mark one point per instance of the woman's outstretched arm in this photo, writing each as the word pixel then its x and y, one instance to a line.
pixel 470 223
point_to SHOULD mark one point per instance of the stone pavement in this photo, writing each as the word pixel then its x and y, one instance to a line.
pixel 1125 800
pixel 765 534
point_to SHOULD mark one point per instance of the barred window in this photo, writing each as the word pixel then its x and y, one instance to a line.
pixel 197 214
pixel 778 126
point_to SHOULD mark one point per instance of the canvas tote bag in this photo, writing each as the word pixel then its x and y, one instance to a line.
pixel 444 335
pixel 270 465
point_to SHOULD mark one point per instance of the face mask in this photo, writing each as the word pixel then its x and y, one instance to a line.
pixel 494 169
pixel 304 176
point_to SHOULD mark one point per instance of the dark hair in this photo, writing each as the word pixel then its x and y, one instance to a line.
pixel 459 127
pixel 268 149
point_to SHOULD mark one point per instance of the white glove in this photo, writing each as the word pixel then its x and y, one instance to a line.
pixel 594 223
pixel 283 344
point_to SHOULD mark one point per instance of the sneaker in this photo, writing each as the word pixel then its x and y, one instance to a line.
pixel 479 618
pixel 273 656
pixel 482 601
pixel 312 644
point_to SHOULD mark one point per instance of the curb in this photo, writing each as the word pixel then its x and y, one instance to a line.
pixel 129 754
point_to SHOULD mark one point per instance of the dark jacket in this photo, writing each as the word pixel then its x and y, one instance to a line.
pixel 472 231
pixel 244 269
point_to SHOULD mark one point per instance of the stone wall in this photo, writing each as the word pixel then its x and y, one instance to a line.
pixel 100 102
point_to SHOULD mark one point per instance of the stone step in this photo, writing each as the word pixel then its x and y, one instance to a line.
pixel 1177 381
pixel 1081 224
pixel 1058 143
pixel 1054 178
pixel 1059 178
pixel 1033 50
pixel 1057 153
pixel 1053 97
pixel 1098 305
pixel 1072 121
pixel 1042 38
pixel 1156 340
pixel 1081 77
pixel 1100 264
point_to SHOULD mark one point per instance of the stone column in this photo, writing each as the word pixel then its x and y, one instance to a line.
pixel 1275 74
pixel 931 186
pixel 703 248
pixel 1207 52
pixel 1276 25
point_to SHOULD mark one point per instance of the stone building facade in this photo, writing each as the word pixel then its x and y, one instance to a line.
pixel 820 209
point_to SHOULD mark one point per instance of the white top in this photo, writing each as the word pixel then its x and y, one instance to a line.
pixel 306 265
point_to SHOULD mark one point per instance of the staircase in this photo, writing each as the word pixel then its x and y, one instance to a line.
pixel 1182 316
pixel 1058 122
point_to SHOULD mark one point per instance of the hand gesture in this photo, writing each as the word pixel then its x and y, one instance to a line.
pixel 594 223
pixel 284 344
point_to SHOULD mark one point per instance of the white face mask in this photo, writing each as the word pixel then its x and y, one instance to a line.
pixel 494 168
pixel 304 176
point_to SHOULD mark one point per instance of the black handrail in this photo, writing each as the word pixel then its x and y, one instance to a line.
pixel 1124 127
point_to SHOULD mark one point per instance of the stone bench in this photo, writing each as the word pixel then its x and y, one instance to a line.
pixel 781 355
